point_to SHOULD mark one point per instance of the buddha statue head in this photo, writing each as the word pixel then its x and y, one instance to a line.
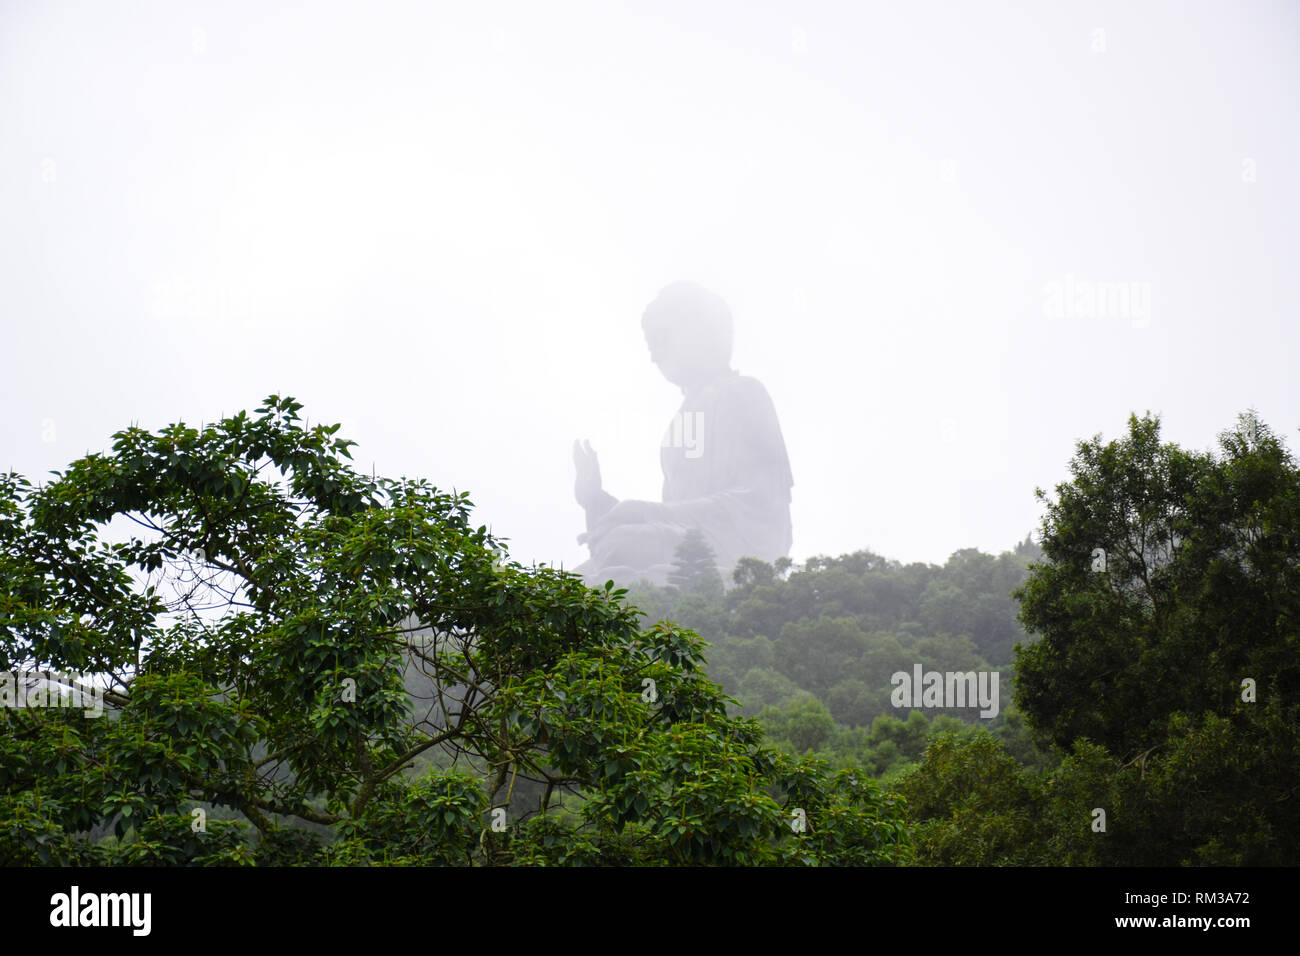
pixel 689 332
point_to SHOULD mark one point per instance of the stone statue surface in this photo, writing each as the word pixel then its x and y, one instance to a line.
pixel 724 461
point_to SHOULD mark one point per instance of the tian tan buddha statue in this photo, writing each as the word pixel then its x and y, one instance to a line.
pixel 724 461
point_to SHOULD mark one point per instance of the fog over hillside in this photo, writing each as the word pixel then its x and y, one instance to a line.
pixel 956 238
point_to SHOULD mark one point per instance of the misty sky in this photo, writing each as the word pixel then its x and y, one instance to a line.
pixel 956 237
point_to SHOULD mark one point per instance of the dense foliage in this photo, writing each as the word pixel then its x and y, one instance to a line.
pixel 810 650
pixel 306 665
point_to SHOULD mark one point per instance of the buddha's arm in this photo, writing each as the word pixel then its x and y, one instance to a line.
pixel 587 487
pixel 733 504
pixel 597 506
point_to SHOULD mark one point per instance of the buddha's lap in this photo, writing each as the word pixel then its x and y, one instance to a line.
pixel 639 545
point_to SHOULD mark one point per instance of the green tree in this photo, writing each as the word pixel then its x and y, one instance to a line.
pixel 754 572
pixel 972 804
pixel 695 567
pixel 1168 610
pixel 288 643
pixel 808 725
pixel 1169 578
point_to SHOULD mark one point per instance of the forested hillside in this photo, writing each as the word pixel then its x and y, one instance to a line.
pixel 810 650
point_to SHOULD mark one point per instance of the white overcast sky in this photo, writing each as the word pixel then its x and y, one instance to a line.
pixel 439 223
